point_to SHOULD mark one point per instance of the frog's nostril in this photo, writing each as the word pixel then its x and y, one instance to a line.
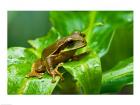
pixel 84 41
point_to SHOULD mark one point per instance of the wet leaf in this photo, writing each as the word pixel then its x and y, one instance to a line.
pixel 87 72
pixel 19 65
pixel 117 77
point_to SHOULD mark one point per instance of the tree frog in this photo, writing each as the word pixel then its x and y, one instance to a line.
pixel 54 55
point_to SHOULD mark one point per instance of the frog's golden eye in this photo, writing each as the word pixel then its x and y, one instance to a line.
pixel 70 44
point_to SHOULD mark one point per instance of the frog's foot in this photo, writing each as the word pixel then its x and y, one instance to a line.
pixel 56 72
pixel 34 74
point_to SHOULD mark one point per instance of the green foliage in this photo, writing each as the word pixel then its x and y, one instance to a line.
pixel 87 72
pixel 85 76
pixel 19 64
pixel 118 77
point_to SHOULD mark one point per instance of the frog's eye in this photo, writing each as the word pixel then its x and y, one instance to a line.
pixel 70 43
pixel 82 34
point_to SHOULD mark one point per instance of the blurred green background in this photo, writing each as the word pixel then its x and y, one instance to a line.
pixel 25 25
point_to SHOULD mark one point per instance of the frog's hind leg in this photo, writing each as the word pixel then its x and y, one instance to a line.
pixel 56 72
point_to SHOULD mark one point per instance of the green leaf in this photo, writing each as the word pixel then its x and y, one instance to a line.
pixel 67 22
pixel 117 77
pixel 121 46
pixel 101 38
pixel 87 72
pixel 115 18
pixel 19 65
pixel 106 28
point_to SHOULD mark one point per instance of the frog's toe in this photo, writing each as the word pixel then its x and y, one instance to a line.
pixel 62 78
pixel 27 76
pixel 40 76
pixel 60 64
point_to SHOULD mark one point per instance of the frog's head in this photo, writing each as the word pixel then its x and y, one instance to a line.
pixel 77 40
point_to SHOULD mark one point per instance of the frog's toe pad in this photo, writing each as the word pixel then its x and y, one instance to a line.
pixel 27 76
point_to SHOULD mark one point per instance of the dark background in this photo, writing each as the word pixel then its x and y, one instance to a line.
pixel 24 25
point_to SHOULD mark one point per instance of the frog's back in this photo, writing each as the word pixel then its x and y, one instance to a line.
pixel 54 48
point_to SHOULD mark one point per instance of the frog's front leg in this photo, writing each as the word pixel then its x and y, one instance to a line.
pixel 49 63
pixel 56 72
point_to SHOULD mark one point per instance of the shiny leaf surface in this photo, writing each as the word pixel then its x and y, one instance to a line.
pixel 117 77
pixel 19 65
